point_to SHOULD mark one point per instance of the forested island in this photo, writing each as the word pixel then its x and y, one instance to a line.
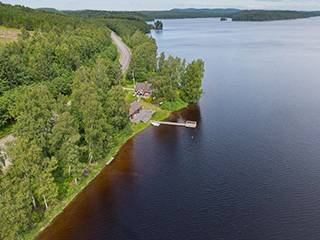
pixel 61 91
pixel 263 15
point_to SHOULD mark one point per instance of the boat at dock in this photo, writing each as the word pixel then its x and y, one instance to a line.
pixel 188 124
pixel 155 124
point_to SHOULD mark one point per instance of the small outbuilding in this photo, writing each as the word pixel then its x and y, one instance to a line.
pixel 135 108
pixel 143 90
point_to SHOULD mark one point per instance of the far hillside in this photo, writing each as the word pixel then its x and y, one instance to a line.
pixel 192 13
pixel 151 15
pixel 262 15
pixel 176 13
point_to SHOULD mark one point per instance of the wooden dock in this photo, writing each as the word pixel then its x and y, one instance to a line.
pixel 188 124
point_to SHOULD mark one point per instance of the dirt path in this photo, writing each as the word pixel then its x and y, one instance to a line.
pixel 2 142
pixel 125 53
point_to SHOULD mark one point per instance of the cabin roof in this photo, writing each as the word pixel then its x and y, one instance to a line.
pixel 145 87
pixel 134 106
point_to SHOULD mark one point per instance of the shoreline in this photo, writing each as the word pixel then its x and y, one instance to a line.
pixel 101 165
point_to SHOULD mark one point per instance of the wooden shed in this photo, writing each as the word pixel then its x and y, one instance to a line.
pixel 135 108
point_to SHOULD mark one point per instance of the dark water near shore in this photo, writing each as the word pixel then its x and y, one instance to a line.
pixel 250 170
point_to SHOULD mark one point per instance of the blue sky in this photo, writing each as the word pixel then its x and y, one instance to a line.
pixel 131 5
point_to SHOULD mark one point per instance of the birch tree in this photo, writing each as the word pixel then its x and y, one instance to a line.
pixel 192 81
pixel 26 160
pixel 29 164
pixel 34 112
pixel 47 189
pixel 15 206
pixel 64 140
pixel 94 123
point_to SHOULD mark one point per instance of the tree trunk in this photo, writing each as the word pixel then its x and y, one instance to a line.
pixel 33 201
pixel 90 154
pixel 90 158
pixel 69 170
pixel 45 201
pixel 76 181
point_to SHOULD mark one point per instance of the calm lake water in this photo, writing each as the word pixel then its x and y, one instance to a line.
pixel 250 170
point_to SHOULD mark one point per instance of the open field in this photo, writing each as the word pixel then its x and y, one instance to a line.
pixel 8 34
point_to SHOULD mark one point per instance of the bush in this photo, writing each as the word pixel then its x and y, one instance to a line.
pixel 148 100
pixel 127 131
pixel 166 106
pixel 174 106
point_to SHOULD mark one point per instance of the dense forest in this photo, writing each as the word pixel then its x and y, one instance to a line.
pixel 190 13
pixel 262 15
pixel 60 86
pixel 235 14
pixel 108 14
pixel 56 48
pixel 150 15
pixel 60 58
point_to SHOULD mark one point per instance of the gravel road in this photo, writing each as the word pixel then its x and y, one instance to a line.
pixel 3 141
pixel 125 53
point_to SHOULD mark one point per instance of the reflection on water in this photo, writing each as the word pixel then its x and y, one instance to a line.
pixel 98 211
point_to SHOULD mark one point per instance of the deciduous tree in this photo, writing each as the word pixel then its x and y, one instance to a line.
pixel 192 81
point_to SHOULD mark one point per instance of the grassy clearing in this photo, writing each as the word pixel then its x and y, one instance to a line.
pixel 130 96
pixel 8 34
pixel 128 84
pixel 6 130
pixel 11 29
pixel 159 115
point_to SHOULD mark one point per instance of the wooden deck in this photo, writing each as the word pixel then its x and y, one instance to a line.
pixel 188 124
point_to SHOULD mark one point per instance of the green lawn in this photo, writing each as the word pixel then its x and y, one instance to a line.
pixel 5 130
pixel 128 84
pixel 130 97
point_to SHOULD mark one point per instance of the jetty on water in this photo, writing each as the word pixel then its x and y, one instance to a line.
pixel 188 124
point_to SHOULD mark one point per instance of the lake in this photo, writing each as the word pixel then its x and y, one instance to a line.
pixel 251 168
